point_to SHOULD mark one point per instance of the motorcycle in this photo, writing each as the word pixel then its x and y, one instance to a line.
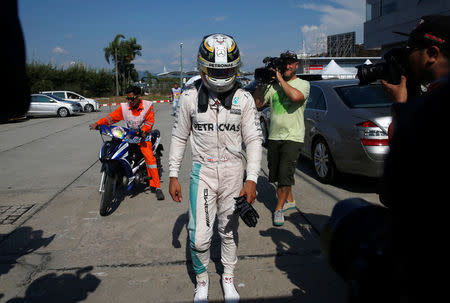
pixel 123 165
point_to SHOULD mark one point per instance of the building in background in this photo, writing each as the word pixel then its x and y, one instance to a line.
pixel 341 45
pixel 383 17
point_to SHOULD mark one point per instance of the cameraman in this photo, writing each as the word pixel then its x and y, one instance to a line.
pixel 415 186
pixel 287 95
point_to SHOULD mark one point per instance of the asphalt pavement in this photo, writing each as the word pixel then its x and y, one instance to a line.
pixel 55 247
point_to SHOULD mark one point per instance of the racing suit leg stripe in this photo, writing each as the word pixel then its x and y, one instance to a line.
pixel 195 176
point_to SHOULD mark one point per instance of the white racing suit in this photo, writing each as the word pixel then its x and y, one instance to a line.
pixel 217 170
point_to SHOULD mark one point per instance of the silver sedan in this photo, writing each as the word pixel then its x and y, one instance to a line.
pixel 45 105
pixel 346 128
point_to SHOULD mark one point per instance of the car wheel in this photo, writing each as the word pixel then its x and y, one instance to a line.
pixel 265 132
pixel 324 166
pixel 63 112
pixel 89 108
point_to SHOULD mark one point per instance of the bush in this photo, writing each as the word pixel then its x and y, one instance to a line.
pixel 88 82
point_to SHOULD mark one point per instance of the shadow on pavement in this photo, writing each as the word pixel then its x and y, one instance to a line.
pixel 68 288
pixel 266 300
pixel 20 242
pixel 299 257
pixel 266 193
pixel 182 222
pixel 123 193
pixel 348 182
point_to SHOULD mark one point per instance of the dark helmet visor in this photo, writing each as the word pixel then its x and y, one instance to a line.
pixel 221 73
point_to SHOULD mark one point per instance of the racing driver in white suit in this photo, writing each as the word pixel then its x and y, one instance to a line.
pixel 218 116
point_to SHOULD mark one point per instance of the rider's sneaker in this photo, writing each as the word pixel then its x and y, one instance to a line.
pixel 288 205
pixel 159 194
pixel 230 293
pixel 201 291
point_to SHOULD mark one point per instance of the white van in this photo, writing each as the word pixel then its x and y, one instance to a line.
pixel 88 104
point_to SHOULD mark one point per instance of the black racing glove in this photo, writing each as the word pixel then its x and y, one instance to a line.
pixel 246 211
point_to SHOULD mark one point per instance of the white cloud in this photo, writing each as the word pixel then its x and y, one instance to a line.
pixel 59 50
pixel 339 17
pixel 306 28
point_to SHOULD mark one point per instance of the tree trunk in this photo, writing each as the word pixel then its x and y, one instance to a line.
pixel 117 75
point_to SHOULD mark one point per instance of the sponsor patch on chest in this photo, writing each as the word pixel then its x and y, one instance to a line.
pixel 213 127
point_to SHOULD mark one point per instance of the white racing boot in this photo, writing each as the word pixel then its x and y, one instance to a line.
pixel 201 291
pixel 230 293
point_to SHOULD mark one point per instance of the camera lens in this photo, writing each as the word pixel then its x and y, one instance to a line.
pixel 371 73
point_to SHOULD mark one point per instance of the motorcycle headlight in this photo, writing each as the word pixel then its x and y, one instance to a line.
pixel 118 132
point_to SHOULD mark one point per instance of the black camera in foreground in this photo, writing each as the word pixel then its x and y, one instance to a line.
pixel 356 243
pixel 391 70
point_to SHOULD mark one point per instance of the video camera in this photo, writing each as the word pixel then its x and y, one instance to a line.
pixel 265 75
pixel 391 70
pixel 394 66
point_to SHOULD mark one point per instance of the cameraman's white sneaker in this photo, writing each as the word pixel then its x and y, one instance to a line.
pixel 201 291
pixel 230 293
pixel 288 205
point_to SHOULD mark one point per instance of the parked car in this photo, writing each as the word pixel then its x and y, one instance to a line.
pixel 346 128
pixel 44 105
pixel 88 104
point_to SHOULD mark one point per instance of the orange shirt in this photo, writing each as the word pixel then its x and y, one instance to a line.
pixel 117 116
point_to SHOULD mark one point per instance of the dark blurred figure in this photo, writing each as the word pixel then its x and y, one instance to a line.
pixel 416 168
pixel 397 253
pixel 14 86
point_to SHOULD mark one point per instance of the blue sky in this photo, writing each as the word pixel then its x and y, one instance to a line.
pixel 64 31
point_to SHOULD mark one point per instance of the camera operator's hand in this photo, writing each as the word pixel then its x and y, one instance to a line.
pixel 398 93
pixel 278 76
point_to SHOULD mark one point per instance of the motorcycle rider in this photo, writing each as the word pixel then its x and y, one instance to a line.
pixel 138 114
pixel 217 116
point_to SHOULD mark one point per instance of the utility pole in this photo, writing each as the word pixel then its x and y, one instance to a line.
pixel 181 64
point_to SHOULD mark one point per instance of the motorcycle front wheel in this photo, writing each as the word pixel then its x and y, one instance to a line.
pixel 108 194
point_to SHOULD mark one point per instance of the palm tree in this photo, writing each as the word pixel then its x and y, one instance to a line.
pixel 112 50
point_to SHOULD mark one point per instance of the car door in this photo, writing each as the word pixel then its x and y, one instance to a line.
pixel 34 106
pixel 77 98
pixel 47 105
pixel 314 113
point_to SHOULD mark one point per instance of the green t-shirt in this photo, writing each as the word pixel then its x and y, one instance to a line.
pixel 286 117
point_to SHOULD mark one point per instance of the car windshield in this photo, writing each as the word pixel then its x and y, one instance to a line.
pixel 365 96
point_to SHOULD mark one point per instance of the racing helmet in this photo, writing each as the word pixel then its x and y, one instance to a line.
pixel 218 61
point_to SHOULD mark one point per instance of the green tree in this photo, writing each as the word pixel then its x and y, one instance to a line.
pixel 123 53
pixel 111 51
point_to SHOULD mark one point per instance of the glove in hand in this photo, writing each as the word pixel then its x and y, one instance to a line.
pixel 246 211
